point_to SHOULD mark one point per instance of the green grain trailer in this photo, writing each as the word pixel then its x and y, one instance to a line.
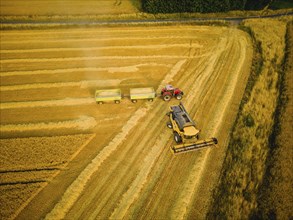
pixel 108 95
pixel 142 93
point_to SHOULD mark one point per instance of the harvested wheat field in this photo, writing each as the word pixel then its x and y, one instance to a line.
pixel 65 7
pixel 89 161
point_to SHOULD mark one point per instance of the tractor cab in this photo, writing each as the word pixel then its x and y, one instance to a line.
pixel 169 88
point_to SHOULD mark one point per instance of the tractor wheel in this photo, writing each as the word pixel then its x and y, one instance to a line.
pixel 179 96
pixel 169 125
pixel 177 138
pixel 167 98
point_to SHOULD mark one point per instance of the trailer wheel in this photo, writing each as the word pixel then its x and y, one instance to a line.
pixel 179 96
pixel 177 138
pixel 117 101
pixel 169 125
pixel 150 100
pixel 100 103
pixel 134 100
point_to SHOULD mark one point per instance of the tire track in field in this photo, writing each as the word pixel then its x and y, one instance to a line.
pixel 105 33
pixel 48 103
pixel 123 69
pixel 196 172
pixel 108 31
pixel 75 189
pixel 86 202
pixel 106 39
pixel 185 82
pixel 136 149
pixel 81 84
pixel 41 60
pixel 135 189
pixel 160 46
pixel 133 192
pixel 73 192
pixel 133 149
pixel 203 84
pixel 154 152
pixel 190 189
pixel 91 32
pixel 83 123
pixel 199 87
pixel 136 146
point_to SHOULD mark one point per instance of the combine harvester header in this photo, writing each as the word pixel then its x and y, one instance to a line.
pixel 185 132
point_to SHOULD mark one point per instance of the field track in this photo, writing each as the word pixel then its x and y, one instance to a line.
pixel 48 79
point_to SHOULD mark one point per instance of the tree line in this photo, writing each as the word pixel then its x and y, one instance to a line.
pixel 202 6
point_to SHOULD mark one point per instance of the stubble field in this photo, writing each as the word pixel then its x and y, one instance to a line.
pixel 113 160
pixel 65 7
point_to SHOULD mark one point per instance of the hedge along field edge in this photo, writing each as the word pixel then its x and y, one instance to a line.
pixel 141 16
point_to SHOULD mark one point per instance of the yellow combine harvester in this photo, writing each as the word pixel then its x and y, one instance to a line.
pixel 185 132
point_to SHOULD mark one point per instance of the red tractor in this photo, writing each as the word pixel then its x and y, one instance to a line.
pixel 169 91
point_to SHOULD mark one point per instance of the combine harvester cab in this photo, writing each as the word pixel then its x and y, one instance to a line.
pixel 142 93
pixel 108 95
pixel 185 132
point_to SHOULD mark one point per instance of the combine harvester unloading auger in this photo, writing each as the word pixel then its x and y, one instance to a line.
pixel 185 132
